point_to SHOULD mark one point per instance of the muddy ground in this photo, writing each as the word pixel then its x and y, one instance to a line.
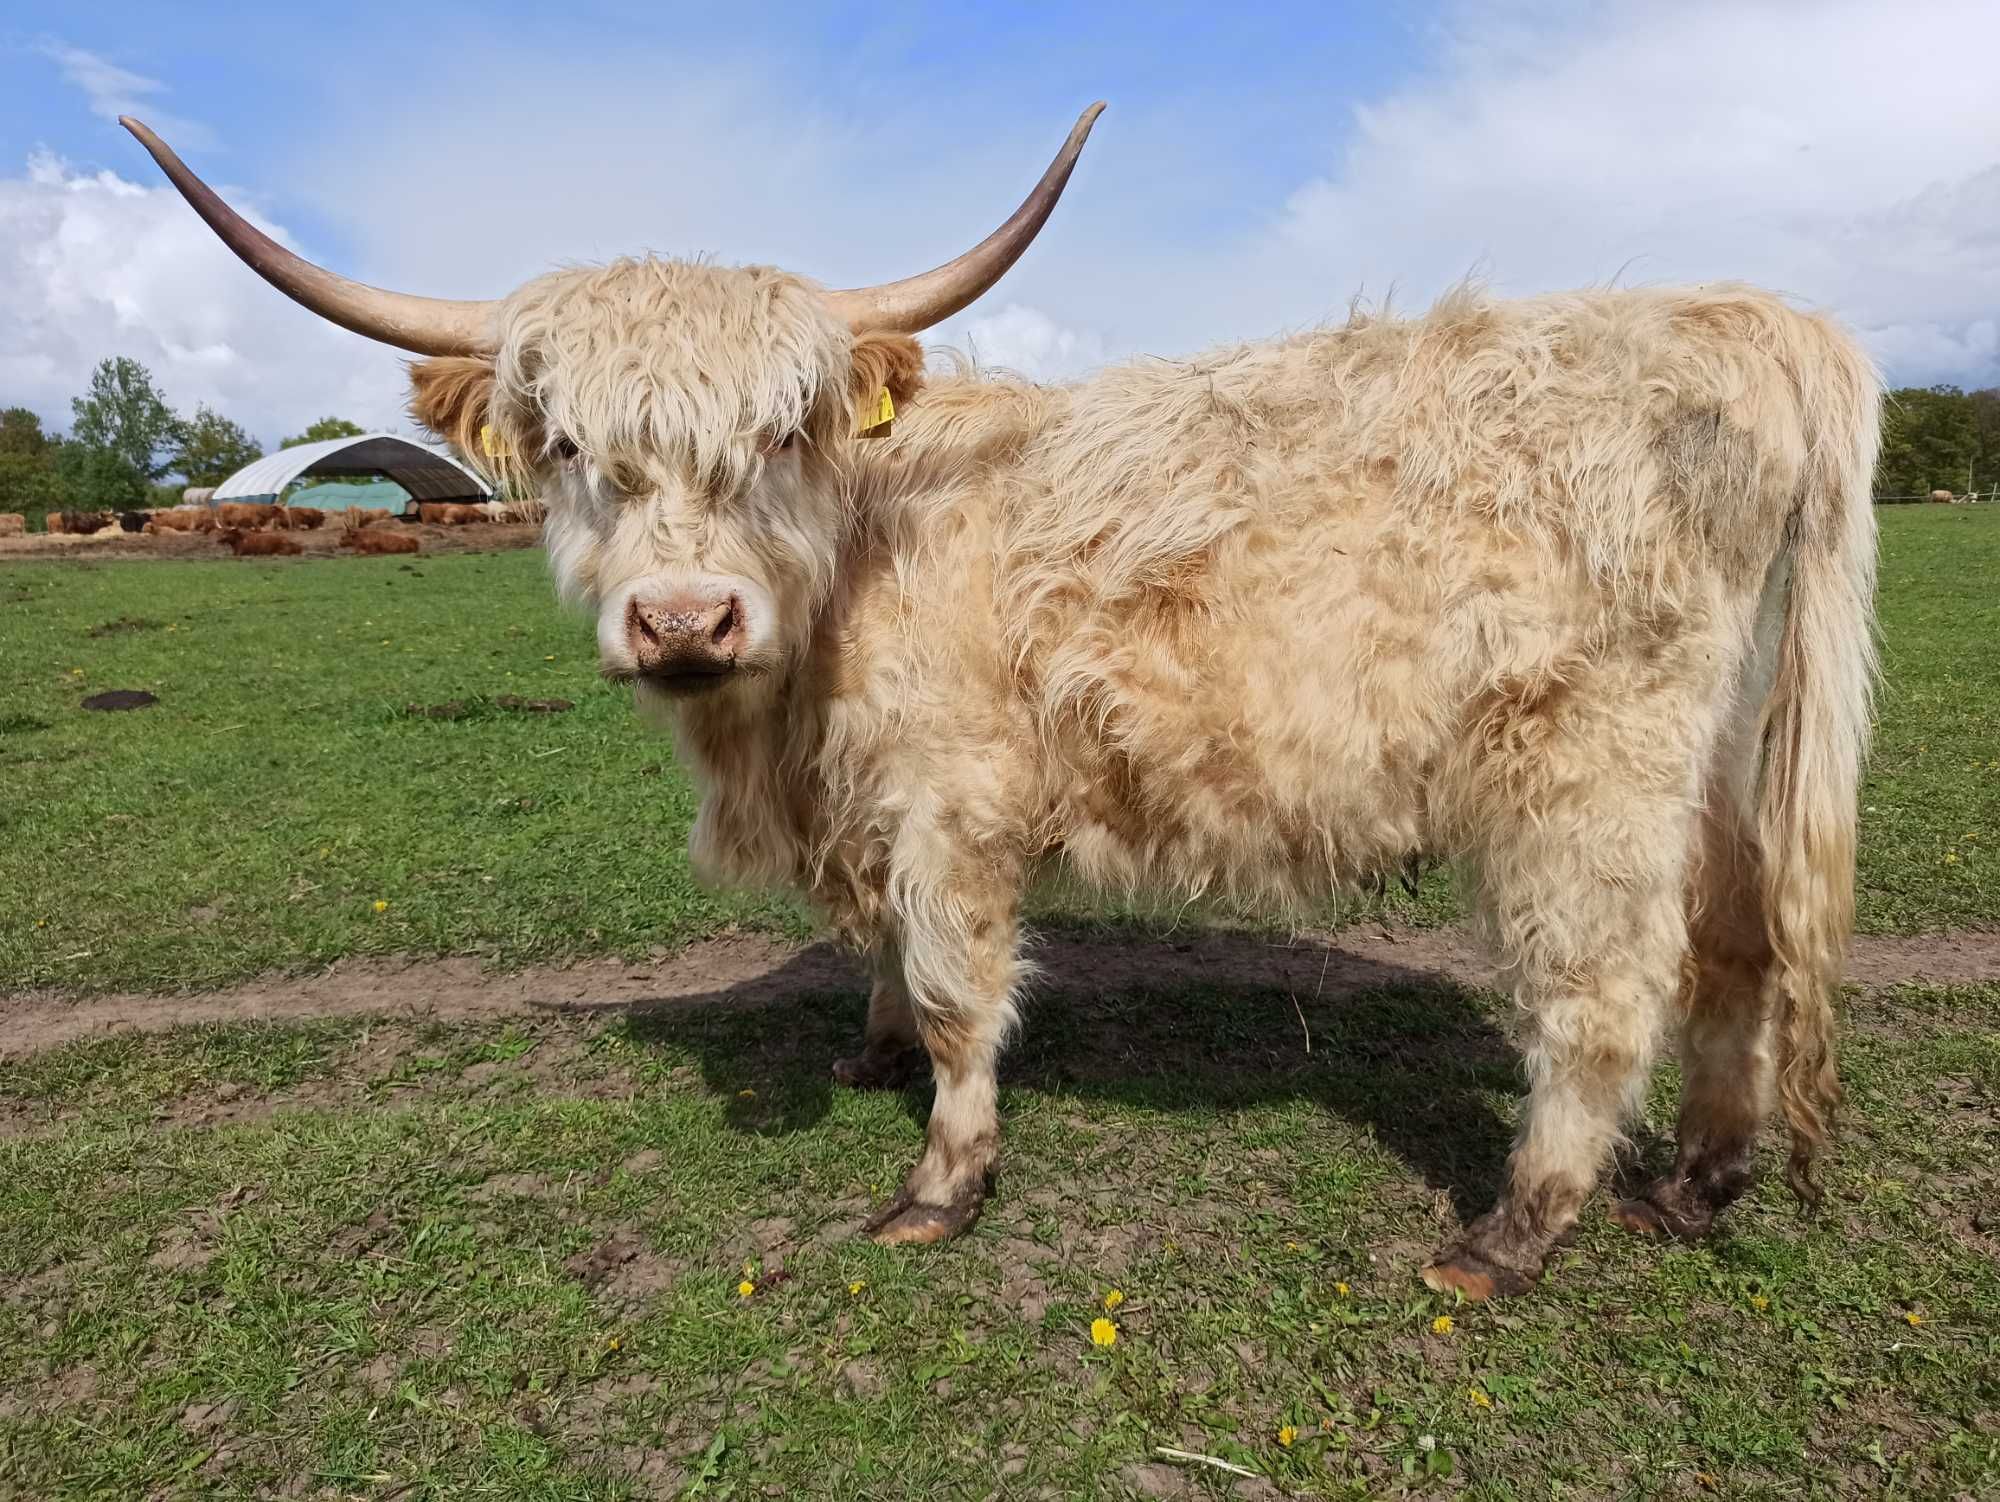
pixel 754 971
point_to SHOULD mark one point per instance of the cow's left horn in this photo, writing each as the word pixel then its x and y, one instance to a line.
pixel 422 325
pixel 917 302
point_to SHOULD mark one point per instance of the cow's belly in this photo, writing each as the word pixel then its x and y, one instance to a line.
pixel 1286 740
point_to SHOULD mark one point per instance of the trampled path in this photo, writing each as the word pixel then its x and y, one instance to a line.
pixel 750 970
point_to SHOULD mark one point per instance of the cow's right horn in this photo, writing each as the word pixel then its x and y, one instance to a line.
pixel 917 302
pixel 422 325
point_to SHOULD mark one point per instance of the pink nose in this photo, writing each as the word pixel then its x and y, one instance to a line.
pixel 685 635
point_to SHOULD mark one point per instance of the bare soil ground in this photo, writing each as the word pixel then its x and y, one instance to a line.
pixel 753 970
pixel 179 547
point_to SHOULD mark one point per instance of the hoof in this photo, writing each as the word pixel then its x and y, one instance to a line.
pixel 888 1069
pixel 1463 1271
pixel 1648 1217
pixel 906 1222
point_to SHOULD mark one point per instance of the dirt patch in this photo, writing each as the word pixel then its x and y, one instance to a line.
pixel 121 698
pixel 753 971
pixel 623 1266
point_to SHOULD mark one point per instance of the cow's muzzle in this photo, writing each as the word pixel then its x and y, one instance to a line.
pixel 686 643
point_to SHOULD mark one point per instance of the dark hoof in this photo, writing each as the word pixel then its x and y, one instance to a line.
pixel 905 1222
pixel 888 1069
pixel 1462 1270
pixel 1667 1221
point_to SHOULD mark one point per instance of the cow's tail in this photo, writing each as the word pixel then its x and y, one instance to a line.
pixel 1816 727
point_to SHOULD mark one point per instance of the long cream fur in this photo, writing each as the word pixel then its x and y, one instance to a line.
pixel 1481 584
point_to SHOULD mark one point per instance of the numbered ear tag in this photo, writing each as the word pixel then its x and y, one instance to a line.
pixel 876 422
pixel 490 442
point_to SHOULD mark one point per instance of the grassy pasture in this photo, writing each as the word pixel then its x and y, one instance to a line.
pixel 281 788
pixel 398 1261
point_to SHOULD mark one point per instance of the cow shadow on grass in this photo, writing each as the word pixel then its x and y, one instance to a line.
pixel 1218 1022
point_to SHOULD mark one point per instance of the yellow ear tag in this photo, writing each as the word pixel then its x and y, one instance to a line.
pixel 489 441
pixel 875 424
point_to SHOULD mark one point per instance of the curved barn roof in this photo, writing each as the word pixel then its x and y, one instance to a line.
pixel 426 471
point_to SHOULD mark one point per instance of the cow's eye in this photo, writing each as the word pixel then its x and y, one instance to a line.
pixel 781 443
pixel 563 450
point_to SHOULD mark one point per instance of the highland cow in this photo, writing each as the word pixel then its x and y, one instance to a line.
pixel 1576 590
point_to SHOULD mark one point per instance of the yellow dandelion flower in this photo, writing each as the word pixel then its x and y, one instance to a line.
pixel 614 1344
pixel 1342 1289
pixel 857 1285
pixel 1286 1434
pixel 381 906
pixel 1913 1319
pixel 1951 858
pixel 550 658
pixel 1759 1302
pixel 1479 1399
pixel 1291 1246
pixel 746 1094
pixel 745 1289
pixel 1113 1299
pixel 1442 1325
pixel 1103 1333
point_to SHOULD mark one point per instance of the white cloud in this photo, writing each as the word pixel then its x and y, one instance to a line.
pixel 1767 142
pixel 96 266
pixel 113 91
pixel 1028 342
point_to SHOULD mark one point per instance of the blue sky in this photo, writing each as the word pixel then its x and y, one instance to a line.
pixel 1254 171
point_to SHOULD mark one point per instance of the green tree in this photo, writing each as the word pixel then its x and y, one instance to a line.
pixel 1986 427
pixel 98 479
pixel 28 481
pixel 212 448
pixel 1930 438
pixel 21 434
pixel 124 415
pixel 325 428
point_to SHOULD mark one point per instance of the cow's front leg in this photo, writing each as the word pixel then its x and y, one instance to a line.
pixel 961 967
pixel 890 1048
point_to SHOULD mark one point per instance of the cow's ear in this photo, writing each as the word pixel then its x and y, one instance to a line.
pixel 886 362
pixel 450 396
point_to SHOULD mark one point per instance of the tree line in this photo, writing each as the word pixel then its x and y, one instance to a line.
pixel 124 441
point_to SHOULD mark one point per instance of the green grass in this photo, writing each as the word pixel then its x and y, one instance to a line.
pixel 376 1245
pixel 253 818
pixel 404 1262
pixel 280 789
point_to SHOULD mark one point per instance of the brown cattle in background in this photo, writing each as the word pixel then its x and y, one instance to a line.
pixel 246 515
pixel 379 540
pixel 448 514
pixel 306 518
pixel 12 524
pixel 258 544
pixel 183 519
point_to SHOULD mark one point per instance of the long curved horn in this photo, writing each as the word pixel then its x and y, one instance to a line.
pixel 917 302
pixel 422 325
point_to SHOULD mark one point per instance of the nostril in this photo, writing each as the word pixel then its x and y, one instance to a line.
pixel 638 625
pixel 725 625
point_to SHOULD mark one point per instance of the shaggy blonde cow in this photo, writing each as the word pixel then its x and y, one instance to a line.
pixel 1575 589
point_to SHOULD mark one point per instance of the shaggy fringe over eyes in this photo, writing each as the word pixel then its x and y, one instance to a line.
pixel 648 361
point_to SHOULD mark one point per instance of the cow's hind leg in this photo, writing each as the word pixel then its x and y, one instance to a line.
pixel 961 966
pixel 891 1048
pixel 1592 918
pixel 1726 1049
